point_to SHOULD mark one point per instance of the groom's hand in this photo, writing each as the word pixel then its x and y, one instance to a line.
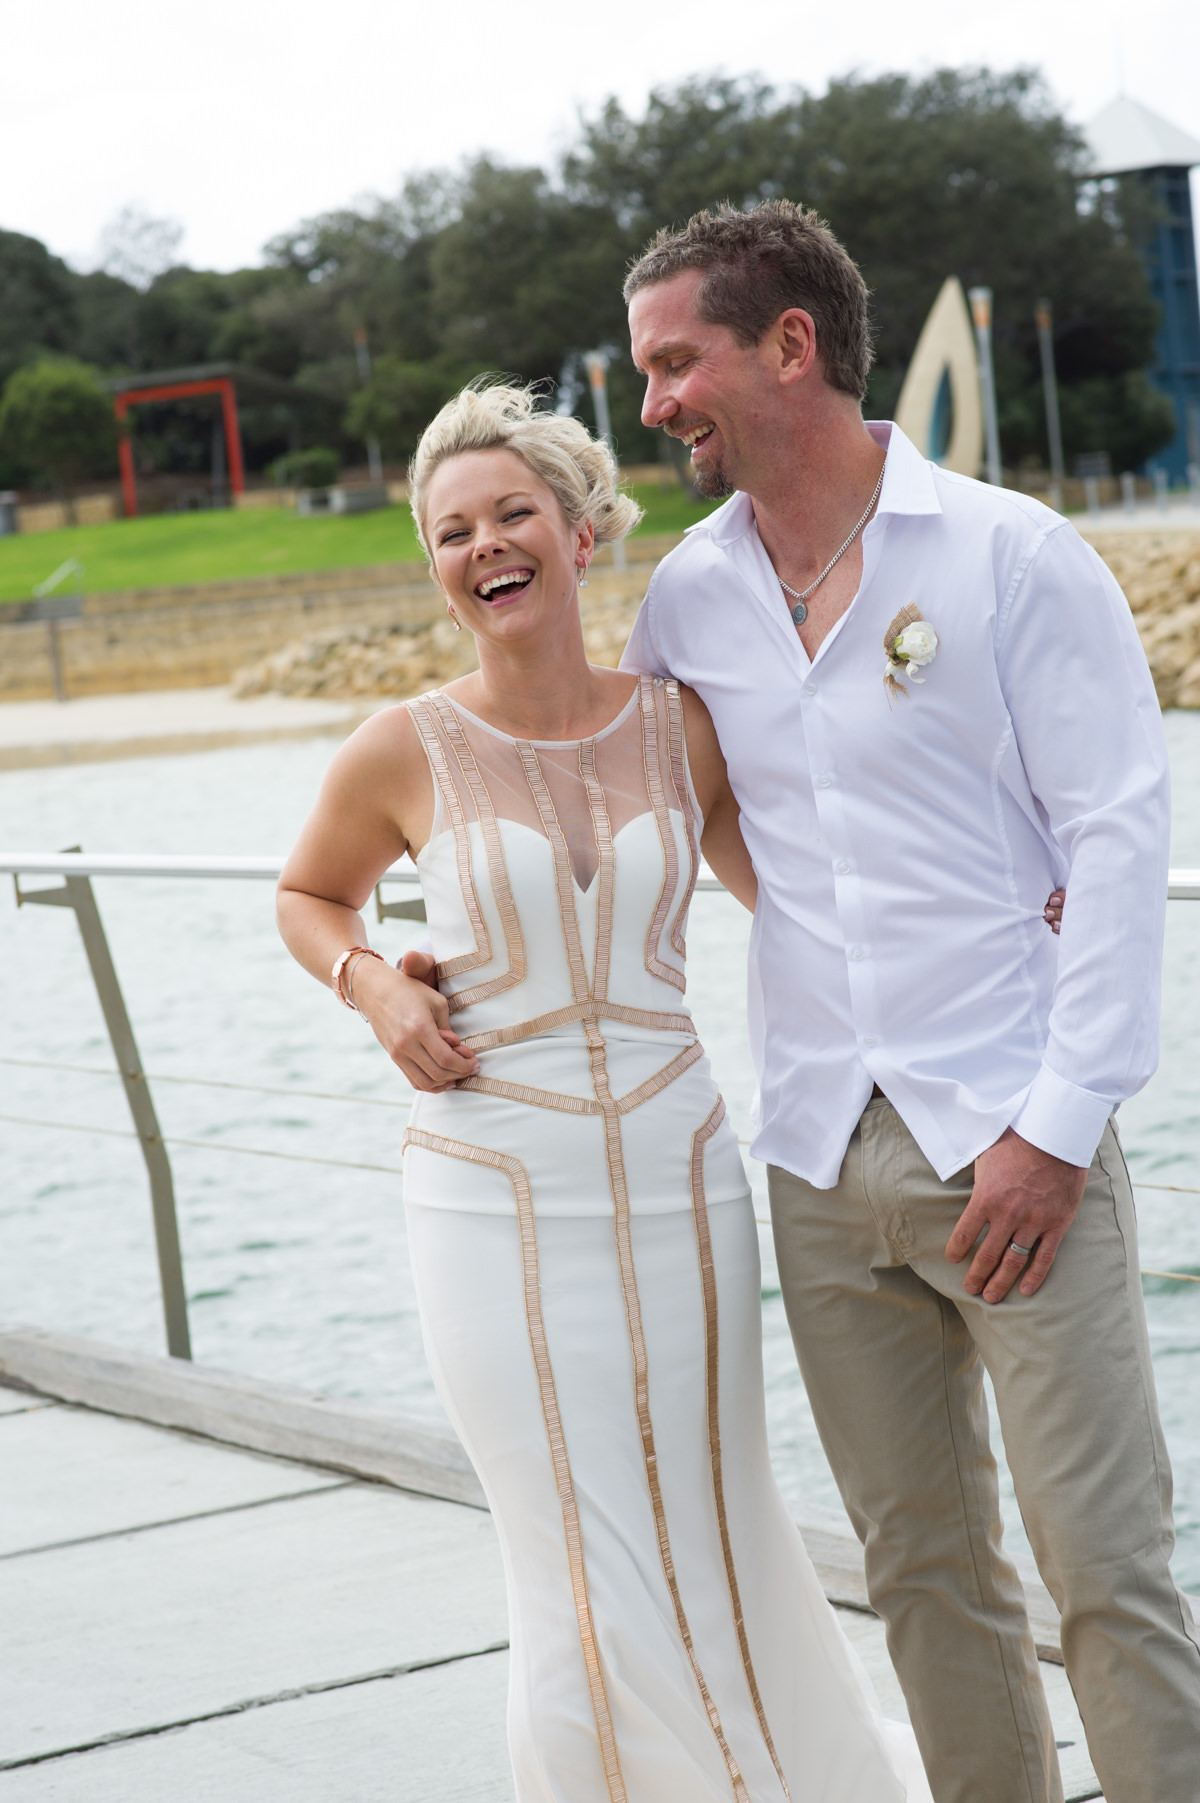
pixel 1022 1196
pixel 421 965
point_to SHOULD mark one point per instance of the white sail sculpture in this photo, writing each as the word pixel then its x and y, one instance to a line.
pixel 939 406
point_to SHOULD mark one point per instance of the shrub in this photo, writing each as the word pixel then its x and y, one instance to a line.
pixel 57 422
pixel 318 467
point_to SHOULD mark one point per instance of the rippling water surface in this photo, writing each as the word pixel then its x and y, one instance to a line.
pixel 296 1262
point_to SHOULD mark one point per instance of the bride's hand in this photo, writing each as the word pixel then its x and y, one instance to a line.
pixel 411 1020
pixel 1053 911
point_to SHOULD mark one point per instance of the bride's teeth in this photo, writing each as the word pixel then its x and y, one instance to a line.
pixel 488 587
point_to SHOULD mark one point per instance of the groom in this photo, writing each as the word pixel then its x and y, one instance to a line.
pixel 937 1072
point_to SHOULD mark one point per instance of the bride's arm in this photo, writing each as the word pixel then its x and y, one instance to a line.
pixel 721 841
pixel 375 799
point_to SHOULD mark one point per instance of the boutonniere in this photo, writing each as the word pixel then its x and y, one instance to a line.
pixel 909 644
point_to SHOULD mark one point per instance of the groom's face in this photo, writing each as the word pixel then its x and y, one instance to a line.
pixel 702 386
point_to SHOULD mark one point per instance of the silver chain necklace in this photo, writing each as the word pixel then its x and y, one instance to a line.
pixel 800 596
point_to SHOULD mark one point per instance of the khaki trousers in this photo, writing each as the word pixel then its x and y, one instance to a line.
pixel 892 1351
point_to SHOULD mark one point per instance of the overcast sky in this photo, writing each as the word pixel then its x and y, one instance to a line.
pixel 240 117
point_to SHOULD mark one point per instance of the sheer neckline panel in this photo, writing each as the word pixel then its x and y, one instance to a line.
pixel 577 794
pixel 545 744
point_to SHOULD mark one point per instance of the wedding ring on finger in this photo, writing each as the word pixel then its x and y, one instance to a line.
pixel 1021 1251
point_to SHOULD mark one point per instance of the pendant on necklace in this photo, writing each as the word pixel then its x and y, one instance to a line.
pixel 800 612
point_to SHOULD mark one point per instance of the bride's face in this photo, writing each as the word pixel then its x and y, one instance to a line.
pixel 504 553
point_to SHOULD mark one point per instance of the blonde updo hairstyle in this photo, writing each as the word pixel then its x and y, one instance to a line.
pixel 580 470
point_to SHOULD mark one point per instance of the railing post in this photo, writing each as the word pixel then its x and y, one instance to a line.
pixel 78 895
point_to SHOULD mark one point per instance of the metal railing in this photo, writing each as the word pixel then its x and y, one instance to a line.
pixel 1182 885
pixel 77 869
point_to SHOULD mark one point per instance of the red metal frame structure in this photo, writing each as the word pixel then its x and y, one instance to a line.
pixel 177 391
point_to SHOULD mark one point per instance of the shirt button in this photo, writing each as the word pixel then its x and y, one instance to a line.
pixel 858 952
pixel 823 782
pixel 810 688
pixel 842 867
pixel 869 1040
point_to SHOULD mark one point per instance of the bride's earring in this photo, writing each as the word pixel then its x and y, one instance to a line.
pixel 582 568
pixel 454 617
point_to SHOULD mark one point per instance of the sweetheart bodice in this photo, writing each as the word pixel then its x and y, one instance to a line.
pixel 557 876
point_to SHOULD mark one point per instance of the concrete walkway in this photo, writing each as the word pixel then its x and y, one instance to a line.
pixel 150 724
pixel 198 1621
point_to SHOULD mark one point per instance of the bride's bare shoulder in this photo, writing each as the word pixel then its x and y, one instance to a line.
pixel 385 733
pixel 384 758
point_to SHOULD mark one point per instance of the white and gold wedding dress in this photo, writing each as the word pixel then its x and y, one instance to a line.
pixel 586 1263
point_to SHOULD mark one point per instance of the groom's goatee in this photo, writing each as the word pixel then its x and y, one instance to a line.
pixel 713 484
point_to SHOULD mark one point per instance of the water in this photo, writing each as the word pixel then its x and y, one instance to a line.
pixel 297 1271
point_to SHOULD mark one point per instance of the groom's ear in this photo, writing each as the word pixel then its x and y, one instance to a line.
pixel 793 344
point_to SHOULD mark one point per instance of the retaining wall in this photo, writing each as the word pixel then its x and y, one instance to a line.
pixel 199 636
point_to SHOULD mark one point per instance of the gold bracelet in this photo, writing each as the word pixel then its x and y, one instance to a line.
pixel 338 979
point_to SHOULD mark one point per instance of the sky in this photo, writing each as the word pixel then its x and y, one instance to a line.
pixel 239 118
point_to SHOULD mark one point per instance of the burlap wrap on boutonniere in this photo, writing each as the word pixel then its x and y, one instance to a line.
pixel 909 644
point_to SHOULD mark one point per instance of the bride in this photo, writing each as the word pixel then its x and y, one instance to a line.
pixel 581 1231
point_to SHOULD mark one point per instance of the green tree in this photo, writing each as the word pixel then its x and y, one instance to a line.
pixel 180 316
pixel 38 302
pixel 1124 415
pixel 519 269
pixel 57 421
pixel 357 269
pixel 977 174
pixel 964 171
pixel 705 141
pixel 401 399
pixel 107 321
pixel 523 274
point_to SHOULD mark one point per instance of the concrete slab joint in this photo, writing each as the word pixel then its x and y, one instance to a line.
pixel 201 1597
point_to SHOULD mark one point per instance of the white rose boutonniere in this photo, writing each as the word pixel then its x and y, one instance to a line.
pixel 910 645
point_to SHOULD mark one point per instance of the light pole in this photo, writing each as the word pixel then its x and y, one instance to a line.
pixel 596 363
pixel 981 312
pixel 1044 316
pixel 363 353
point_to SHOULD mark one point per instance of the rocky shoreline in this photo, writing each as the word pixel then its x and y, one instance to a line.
pixel 1159 571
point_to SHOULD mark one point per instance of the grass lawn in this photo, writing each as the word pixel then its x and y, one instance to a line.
pixel 170 548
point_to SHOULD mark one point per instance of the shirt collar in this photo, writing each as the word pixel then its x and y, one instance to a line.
pixel 908 484
pixel 908 487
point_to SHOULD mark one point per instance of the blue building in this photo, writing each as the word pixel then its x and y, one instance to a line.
pixel 1128 139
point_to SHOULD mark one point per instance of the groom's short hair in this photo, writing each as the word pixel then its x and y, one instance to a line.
pixel 755 265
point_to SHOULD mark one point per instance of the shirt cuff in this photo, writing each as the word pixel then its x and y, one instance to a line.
pixel 1061 1118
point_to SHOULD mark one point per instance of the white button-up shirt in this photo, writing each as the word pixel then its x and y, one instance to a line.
pixel 905 848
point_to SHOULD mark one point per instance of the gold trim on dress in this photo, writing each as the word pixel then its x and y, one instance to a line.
pixel 563 1103
pixel 708 1289
pixel 493 844
pixel 557 1100
pixel 563 879
pixel 654 1085
pixel 426 722
pixel 652 764
pixel 518 1176
pixel 677 748
pixel 641 1389
pixel 573 1011
pixel 605 865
